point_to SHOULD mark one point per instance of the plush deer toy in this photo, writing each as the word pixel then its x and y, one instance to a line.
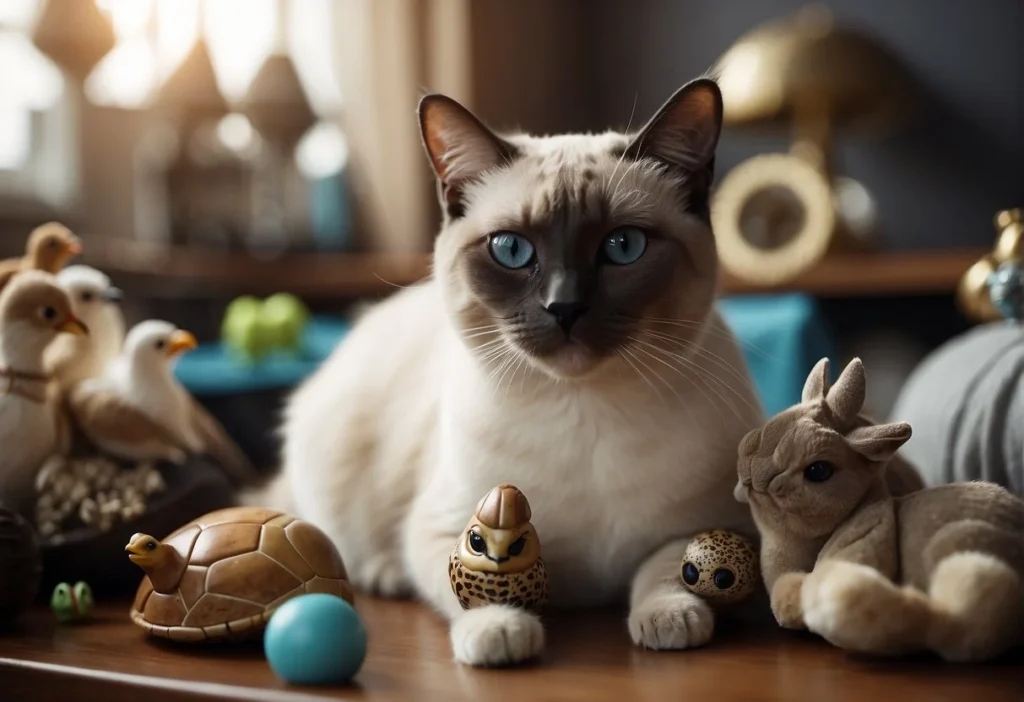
pixel 941 569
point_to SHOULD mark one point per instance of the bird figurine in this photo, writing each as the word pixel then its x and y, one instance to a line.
pixel 97 303
pixel 720 566
pixel 33 312
pixel 137 410
pixel 1006 290
pixel 71 603
pixel 497 558
pixel 50 246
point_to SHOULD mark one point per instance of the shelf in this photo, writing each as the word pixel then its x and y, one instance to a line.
pixel 181 272
pixel 873 275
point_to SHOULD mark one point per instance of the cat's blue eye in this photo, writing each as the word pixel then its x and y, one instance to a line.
pixel 625 245
pixel 511 250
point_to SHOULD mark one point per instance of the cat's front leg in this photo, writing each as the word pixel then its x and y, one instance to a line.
pixel 664 614
pixel 485 636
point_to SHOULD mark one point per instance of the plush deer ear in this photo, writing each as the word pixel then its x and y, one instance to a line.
pixel 816 383
pixel 846 398
pixel 879 442
pixel 460 148
pixel 683 135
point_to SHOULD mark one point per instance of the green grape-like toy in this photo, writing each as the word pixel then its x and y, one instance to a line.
pixel 254 329
pixel 70 603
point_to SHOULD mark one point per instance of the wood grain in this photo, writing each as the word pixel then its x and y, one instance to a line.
pixel 589 657
pixel 180 272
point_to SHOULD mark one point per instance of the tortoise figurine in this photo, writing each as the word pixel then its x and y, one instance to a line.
pixel 222 575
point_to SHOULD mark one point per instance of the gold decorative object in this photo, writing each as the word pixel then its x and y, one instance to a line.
pixel 777 215
pixel 973 292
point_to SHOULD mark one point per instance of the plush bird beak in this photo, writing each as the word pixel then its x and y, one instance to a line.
pixel 74 246
pixel 72 325
pixel 181 341
pixel 113 295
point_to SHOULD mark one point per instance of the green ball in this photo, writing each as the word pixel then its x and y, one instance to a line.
pixel 242 330
pixel 284 318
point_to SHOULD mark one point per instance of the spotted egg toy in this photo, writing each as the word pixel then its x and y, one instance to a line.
pixel 720 566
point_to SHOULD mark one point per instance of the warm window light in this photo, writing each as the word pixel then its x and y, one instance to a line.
pixel 125 77
pixel 27 80
pixel 15 122
pixel 322 152
pixel 236 132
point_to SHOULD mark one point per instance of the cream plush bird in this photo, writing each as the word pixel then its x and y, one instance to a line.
pixel 139 411
pixel 33 312
pixel 49 247
pixel 97 303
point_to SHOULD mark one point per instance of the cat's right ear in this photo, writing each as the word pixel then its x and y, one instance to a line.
pixel 460 148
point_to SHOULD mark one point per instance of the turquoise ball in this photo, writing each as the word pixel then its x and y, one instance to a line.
pixel 315 639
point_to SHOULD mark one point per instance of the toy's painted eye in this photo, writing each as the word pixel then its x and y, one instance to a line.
pixel 477 544
pixel 724 578
pixel 625 245
pixel 690 574
pixel 151 545
pixel 52 243
pixel 87 297
pixel 49 314
pixel 517 546
pixel 818 472
pixel 511 250
pixel 160 345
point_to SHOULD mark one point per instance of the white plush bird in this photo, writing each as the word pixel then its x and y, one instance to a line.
pixel 97 303
pixel 139 411
pixel 33 312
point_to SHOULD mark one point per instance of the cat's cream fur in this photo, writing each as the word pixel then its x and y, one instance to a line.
pixel 391 444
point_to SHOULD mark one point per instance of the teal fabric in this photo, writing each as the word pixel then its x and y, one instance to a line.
pixel 212 370
pixel 782 337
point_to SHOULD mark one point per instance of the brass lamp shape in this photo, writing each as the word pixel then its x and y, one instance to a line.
pixel 972 294
pixel 776 215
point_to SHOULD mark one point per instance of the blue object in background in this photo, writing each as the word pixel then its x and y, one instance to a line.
pixel 315 639
pixel 782 337
pixel 331 211
pixel 212 370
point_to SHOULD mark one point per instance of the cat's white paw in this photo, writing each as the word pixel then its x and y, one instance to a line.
pixel 674 620
pixel 496 635
pixel 383 575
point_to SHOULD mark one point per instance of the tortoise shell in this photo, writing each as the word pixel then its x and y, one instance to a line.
pixel 233 568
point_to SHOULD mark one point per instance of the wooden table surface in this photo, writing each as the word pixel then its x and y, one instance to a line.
pixel 589 658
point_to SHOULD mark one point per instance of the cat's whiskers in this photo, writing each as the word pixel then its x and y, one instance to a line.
pixel 698 349
pixel 629 123
pixel 698 326
pixel 678 370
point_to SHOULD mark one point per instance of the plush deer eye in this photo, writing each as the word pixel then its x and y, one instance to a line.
pixel 818 472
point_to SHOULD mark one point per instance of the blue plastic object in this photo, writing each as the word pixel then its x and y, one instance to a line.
pixel 315 639
pixel 212 370
pixel 782 337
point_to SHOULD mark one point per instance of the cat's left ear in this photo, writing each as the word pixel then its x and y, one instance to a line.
pixel 684 133
pixel 460 147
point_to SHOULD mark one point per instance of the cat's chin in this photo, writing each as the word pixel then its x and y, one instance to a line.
pixel 569 360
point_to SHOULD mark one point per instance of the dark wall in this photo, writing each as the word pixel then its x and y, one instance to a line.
pixel 940 180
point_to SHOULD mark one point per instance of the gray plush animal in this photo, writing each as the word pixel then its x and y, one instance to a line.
pixel 940 569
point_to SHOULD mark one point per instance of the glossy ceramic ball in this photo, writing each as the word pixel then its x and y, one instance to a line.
pixel 315 639
pixel 720 566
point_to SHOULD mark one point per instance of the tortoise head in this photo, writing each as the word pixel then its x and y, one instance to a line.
pixel 147 553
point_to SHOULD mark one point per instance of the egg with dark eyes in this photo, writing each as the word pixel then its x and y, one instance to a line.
pixel 721 567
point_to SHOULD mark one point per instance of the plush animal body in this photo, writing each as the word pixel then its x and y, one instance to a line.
pixel 940 569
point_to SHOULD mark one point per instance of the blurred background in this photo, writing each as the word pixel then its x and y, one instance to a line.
pixel 206 149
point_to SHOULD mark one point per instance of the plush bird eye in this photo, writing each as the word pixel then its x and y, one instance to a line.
pixel 818 472
pixel 52 243
pixel 625 245
pixel 87 297
pixel 151 545
pixel 160 345
pixel 511 250
pixel 476 543
pixel 517 546
pixel 724 578
pixel 690 573
pixel 48 313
